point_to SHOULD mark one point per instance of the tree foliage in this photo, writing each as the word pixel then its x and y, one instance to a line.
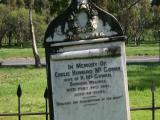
pixel 136 16
pixel 15 26
pixel 155 2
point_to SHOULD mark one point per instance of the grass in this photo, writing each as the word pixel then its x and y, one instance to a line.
pixel 33 83
pixel 9 53
pixel 143 50
pixel 140 80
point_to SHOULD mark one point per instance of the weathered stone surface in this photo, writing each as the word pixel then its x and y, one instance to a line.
pixel 82 20
pixel 90 84
pixel 86 65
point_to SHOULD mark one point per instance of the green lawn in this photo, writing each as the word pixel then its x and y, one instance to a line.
pixel 140 81
pixel 143 50
pixel 33 83
pixel 6 53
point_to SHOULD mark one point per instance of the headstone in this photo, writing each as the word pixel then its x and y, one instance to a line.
pixel 86 65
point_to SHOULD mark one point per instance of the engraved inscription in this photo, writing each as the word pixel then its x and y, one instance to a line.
pixel 87 82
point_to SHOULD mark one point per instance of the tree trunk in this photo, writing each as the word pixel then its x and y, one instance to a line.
pixel 34 45
pixel 1 37
pixel 9 37
pixel 135 41
pixel 0 43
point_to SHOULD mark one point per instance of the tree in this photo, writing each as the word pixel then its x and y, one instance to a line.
pixel 57 6
pixel 39 6
pixel 137 16
pixel 101 3
pixel 3 14
pixel 20 3
pixel 155 2
pixel 156 16
pixel 12 3
pixel 34 45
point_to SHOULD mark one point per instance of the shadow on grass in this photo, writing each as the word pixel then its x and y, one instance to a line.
pixel 141 76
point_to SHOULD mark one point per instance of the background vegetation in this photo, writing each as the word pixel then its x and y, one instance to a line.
pixel 141 23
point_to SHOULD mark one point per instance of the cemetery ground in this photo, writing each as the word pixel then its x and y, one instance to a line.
pixel 33 84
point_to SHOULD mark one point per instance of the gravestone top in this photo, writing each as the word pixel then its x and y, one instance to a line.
pixel 86 65
pixel 82 20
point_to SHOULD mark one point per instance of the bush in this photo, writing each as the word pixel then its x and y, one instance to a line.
pixel 16 27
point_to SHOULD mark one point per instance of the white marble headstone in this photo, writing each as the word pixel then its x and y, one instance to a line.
pixel 86 65
pixel 89 82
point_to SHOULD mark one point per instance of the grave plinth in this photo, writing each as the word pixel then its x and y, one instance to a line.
pixel 86 65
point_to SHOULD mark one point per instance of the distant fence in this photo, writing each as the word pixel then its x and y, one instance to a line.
pixel 153 108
